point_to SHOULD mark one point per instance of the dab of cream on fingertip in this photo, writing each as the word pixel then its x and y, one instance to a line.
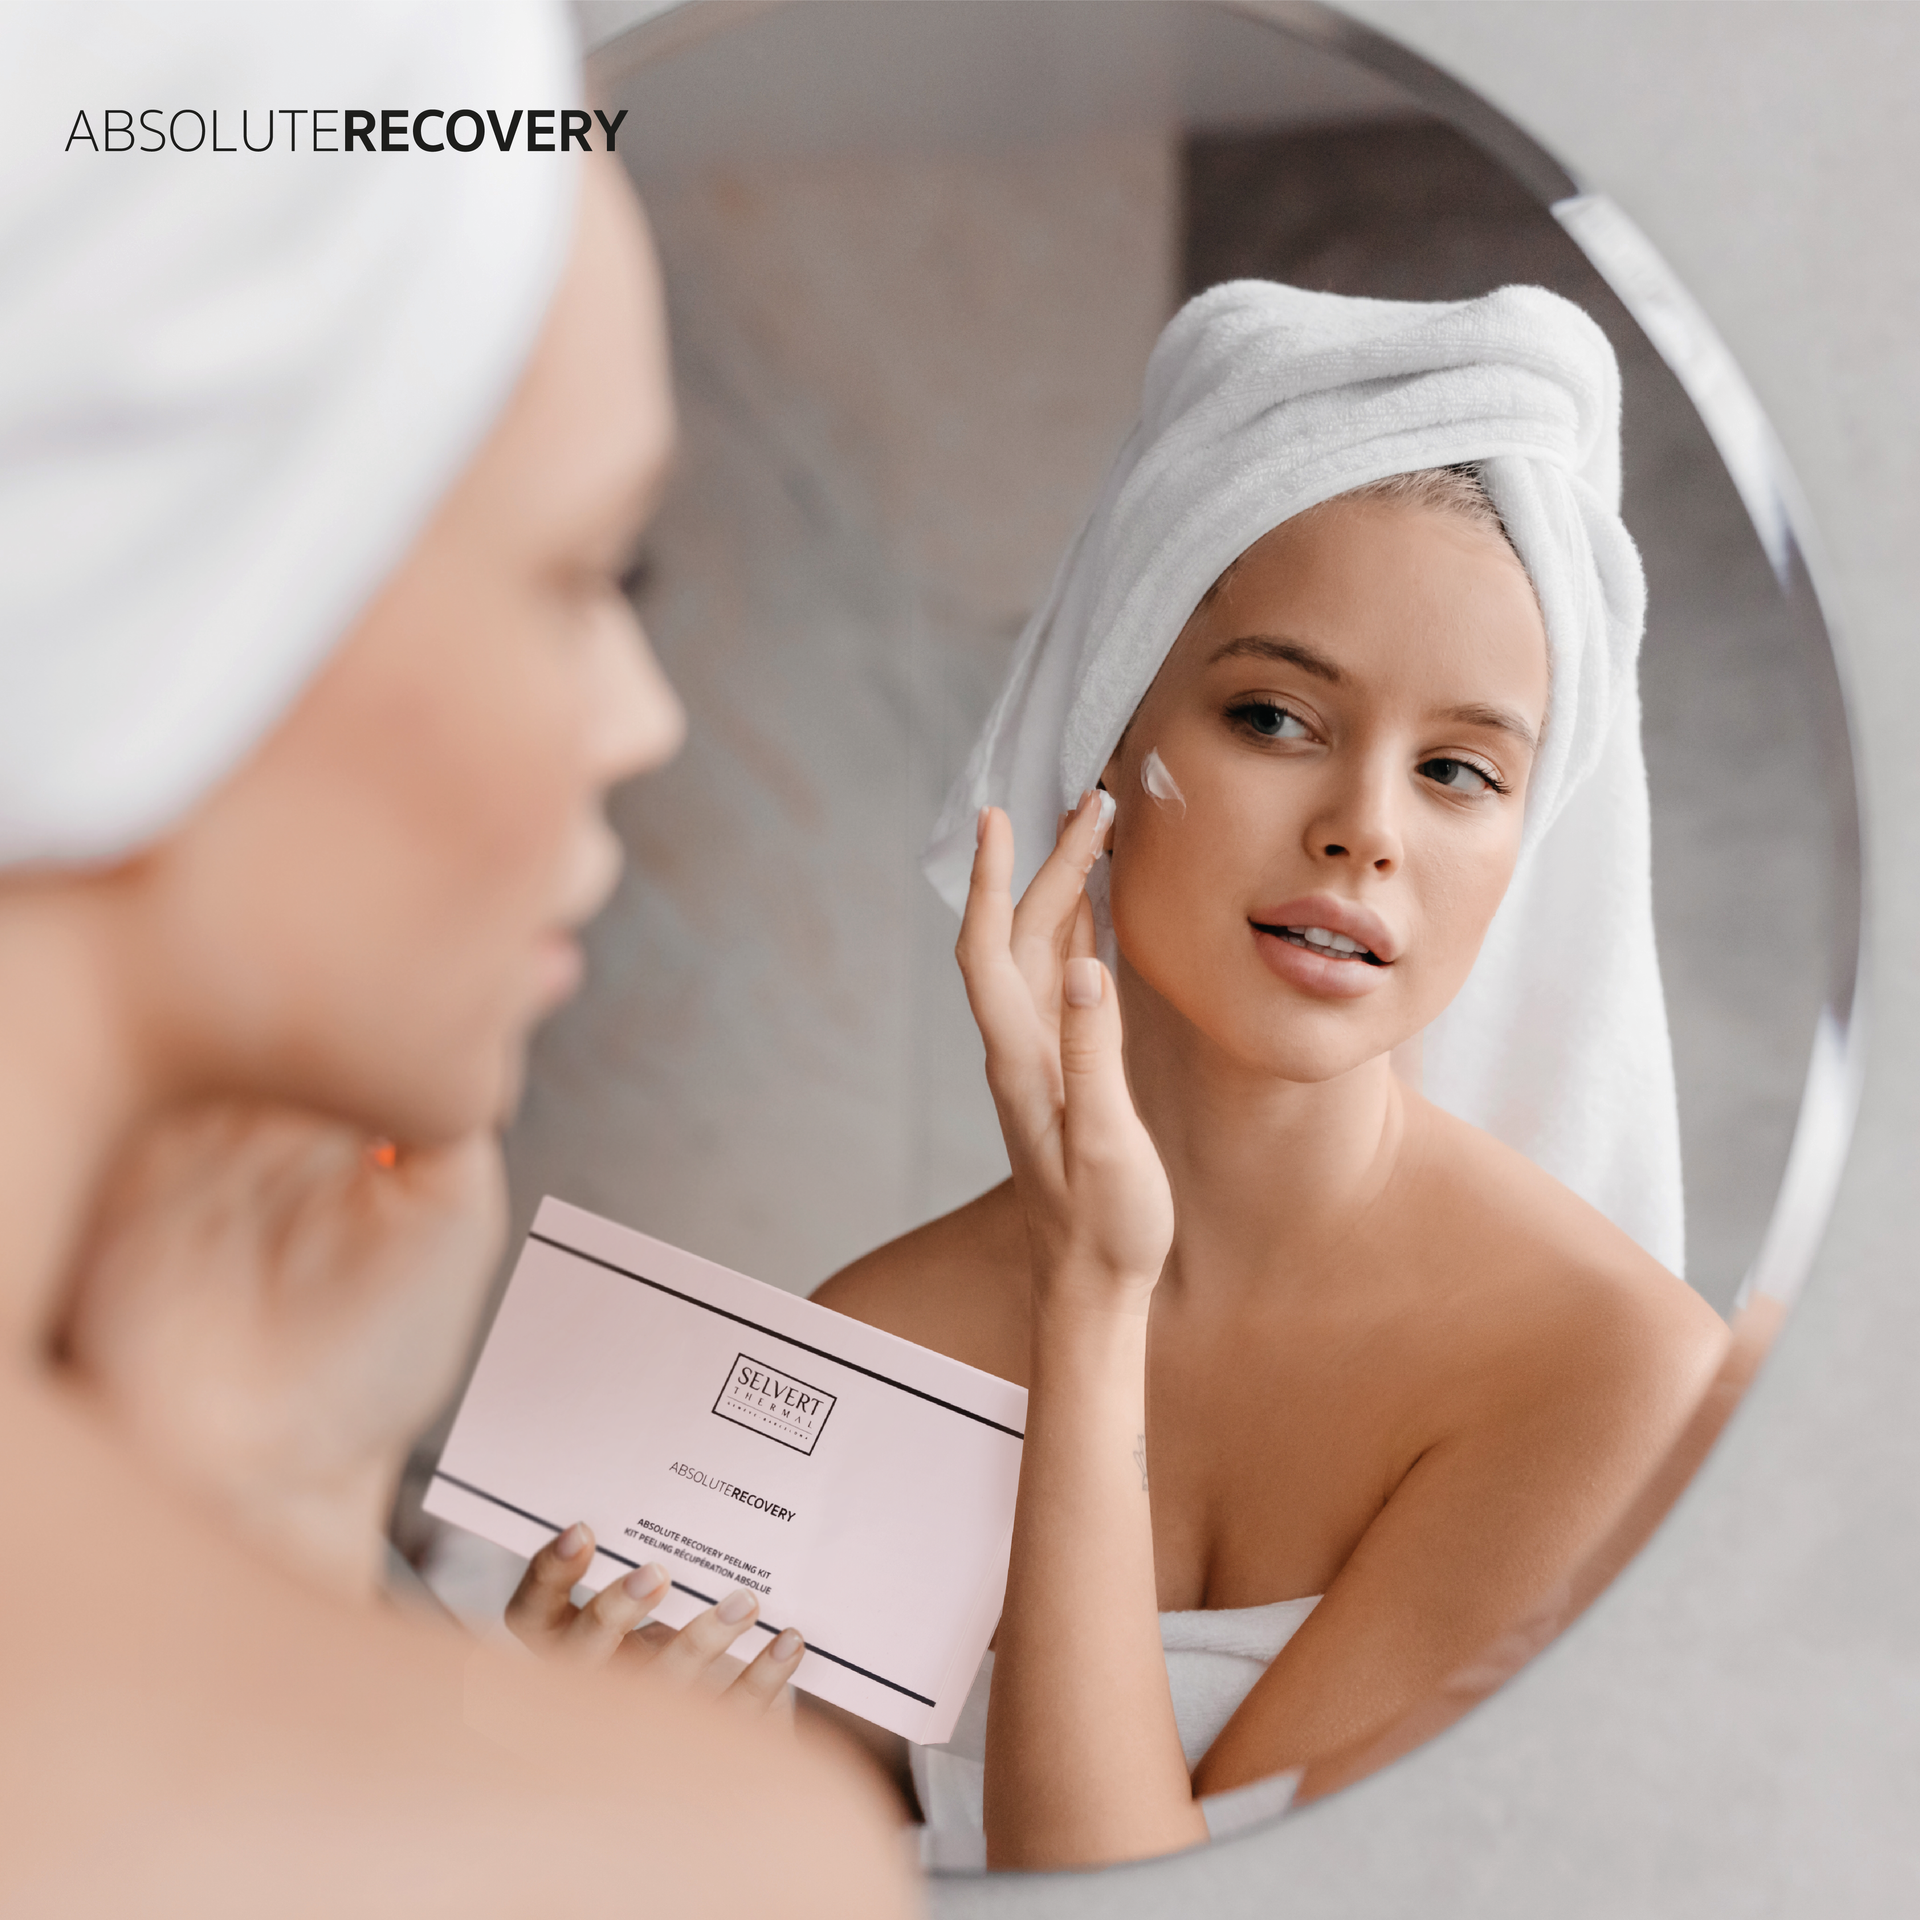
pixel 1159 783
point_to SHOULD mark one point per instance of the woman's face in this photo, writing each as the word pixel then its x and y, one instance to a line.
pixel 371 915
pixel 1350 720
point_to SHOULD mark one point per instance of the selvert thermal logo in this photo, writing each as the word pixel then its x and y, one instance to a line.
pixel 765 1400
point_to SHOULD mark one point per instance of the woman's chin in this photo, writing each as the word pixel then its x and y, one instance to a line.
pixel 472 1085
pixel 1303 1039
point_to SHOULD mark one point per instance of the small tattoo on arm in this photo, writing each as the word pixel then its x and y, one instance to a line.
pixel 1140 1459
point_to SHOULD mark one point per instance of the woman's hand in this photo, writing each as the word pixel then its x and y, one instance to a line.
pixel 1098 1207
pixel 272 1308
pixel 615 1624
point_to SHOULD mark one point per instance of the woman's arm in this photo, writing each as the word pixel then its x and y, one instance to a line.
pixel 1749 1337
pixel 1083 1756
pixel 1470 1566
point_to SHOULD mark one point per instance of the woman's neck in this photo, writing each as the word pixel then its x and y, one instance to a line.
pixel 1255 1162
pixel 67 1095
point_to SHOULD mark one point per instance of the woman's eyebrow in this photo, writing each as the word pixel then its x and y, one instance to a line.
pixel 1503 719
pixel 1260 646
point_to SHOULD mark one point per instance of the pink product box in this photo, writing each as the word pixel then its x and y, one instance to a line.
pixel 862 1486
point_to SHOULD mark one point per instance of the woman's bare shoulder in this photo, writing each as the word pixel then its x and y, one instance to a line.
pixel 958 1285
pixel 1595 1318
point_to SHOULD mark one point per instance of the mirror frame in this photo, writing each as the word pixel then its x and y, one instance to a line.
pixel 621 36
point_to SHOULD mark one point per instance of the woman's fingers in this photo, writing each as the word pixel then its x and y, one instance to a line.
pixel 645 1644
pixel 1044 918
pixel 1080 944
pixel 1119 1188
pixel 758 1686
pixel 691 1655
pixel 542 1604
pixel 1018 1046
pixel 616 1621
pixel 762 1685
pixel 1013 962
pixel 596 1631
pixel 1101 1125
pixel 1011 957
pixel 986 922
pixel 1041 922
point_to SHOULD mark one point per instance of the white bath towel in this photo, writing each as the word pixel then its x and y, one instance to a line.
pixel 234 384
pixel 1263 400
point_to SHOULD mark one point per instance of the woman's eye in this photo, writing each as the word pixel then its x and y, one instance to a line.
pixel 1270 722
pixel 636 577
pixel 1460 776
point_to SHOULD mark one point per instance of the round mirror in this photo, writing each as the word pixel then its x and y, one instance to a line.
pixel 916 259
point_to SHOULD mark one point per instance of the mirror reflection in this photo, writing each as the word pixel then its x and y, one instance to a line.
pixel 1466 946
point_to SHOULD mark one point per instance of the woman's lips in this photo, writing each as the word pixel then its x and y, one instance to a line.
pixel 559 968
pixel 1321 974
pixel 1329 947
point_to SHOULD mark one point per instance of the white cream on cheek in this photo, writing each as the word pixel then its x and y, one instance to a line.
pixel 1160 784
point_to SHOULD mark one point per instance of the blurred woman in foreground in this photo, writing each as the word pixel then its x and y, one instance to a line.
pixel 317 476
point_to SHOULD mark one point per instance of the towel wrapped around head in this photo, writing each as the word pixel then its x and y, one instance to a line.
pixel 1263 400
pixel 236 384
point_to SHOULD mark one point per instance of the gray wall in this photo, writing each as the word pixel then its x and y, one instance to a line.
pixel 899 385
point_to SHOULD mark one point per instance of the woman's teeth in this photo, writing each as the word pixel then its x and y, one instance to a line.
pixel 1324 941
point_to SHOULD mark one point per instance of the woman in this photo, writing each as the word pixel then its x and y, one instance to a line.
pixel 1330 1388
pixel 317 478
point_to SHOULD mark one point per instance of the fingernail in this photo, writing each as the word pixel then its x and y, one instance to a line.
pixel 786 1645
pixel 1107 810
pixel 980 826
pixel 737 1606
pixel 1082 983
pixel 573 1542
pixel 644 1582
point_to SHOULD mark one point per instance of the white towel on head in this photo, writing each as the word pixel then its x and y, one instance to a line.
pixel 234 385
pixel 1263 400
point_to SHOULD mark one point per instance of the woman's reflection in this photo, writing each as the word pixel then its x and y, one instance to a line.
pixel 1348 644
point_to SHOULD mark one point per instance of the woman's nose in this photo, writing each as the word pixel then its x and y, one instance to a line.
pixel 638 722
pixel 1359 824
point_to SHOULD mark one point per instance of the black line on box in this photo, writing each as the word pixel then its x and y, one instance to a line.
pixel 705 1599
pixel 773 1333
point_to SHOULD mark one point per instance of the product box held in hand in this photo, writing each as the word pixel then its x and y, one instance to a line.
pixel 862 1486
